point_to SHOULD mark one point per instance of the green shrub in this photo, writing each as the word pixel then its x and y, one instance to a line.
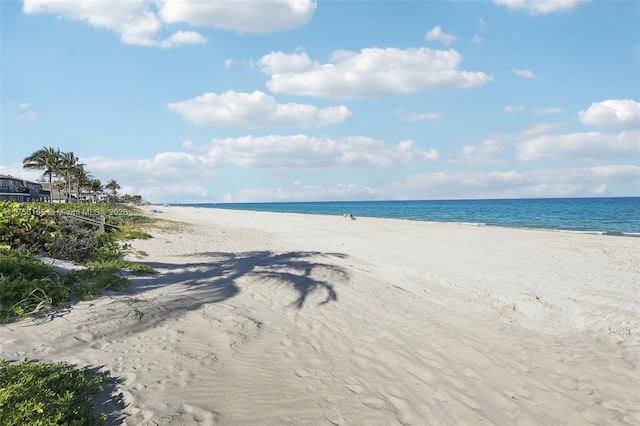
pixel 16 262
pixel 29 287
pixel 131 235
pixel 43 394
pixel 122 265
pixel 27 226
pixel 91 282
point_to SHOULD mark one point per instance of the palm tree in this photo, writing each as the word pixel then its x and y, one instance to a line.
pixel 82 177
pixel 47 159
pixel 95 186
pixel 113 186
pixel 69 166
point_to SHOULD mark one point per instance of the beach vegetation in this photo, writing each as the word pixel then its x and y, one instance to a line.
pixel 29 287
pixel 165 225
pixel 49 393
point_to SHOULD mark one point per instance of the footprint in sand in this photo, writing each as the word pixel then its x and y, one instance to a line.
pixel 138 418
pixel 331 413
pixel 353 384
pixel 357 389
pixel 376 404
pixel 301 372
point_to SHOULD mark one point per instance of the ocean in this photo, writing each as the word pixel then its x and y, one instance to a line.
pixel 607 216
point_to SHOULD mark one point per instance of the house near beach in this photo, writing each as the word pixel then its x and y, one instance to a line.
pixel 22 190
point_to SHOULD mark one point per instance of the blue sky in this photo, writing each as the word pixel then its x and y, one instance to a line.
pixel 240 101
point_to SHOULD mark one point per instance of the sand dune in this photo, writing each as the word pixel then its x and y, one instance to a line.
pixel 283 319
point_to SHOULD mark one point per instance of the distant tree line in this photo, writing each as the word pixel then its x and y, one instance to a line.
pixel 70 174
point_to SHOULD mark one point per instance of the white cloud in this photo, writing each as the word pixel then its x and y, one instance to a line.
pixel 26 113
pixel 541 7
pixel 416 116
pixel 481 24
pixel 612 113
pixel 547 111
pixel 164 166
pixel 370 73
pixel 131 19
pixel 306 152
pixel 524 73
pixel 513 109
pixel 172 177
pixel 257 17
pixel 274 152
pixel 228 63
pixel 436 33
pixel 253 110
pixel 561 182
pixel 187 144
pixel 477 39
pixel 565 182
pixel 541 128
pixel 280 62
pixel 580 146
pixel 16 170
pixel 181 38
pixel 137 22
pixel 28 116
pixel 200 172
pixel 443 184
pixel 484 153
pixel 173 192
pixel 298 192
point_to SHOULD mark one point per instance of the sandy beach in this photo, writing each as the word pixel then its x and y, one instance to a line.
pixel 261 318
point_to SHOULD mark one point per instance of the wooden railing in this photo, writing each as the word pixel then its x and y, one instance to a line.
pixel 100 222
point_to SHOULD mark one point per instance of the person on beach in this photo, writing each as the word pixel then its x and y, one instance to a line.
pixel 349 215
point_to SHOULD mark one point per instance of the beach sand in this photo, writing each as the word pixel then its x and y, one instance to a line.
pixel 283 319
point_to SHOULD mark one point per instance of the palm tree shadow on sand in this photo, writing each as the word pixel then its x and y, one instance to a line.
pixel 216 278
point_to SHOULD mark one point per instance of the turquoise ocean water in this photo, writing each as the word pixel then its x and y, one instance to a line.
pixel 610 216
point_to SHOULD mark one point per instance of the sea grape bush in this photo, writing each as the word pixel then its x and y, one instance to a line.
pixel 25 228
pixel 44 394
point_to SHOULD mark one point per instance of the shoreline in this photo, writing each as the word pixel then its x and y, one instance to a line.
pixel 569 214
pixel 286 319
pixel 479 224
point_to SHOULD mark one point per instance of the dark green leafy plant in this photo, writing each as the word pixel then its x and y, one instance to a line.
pixel 29 287
pixel 27 227
pixel 43 394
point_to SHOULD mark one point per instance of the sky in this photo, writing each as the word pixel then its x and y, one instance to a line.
pixel 265 101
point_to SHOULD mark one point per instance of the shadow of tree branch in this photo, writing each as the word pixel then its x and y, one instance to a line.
pixel 215 278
